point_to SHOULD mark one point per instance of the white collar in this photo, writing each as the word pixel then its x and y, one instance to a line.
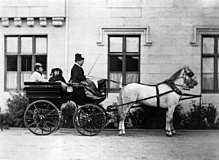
pixel 77 64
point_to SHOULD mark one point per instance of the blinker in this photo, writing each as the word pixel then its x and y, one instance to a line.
pixel 190 74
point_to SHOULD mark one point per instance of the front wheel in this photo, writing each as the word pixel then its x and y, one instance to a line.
pixel 89 119
pixel 42 117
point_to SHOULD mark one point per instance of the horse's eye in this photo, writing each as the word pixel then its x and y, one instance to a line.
pixel 190 74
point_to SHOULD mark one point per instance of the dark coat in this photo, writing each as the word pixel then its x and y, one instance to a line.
pixel 77 74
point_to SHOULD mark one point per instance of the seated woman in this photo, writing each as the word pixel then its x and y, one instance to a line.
pixel 56 76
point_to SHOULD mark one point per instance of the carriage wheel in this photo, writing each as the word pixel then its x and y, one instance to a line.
pixel 41 117
pixel 89 119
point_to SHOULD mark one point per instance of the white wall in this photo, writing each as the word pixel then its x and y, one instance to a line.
pixel 171 25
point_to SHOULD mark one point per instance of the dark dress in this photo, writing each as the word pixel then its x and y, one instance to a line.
pixel 57 78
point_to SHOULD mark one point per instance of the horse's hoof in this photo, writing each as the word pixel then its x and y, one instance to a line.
pixel 169 134
pixel 121 133
pixel 173 132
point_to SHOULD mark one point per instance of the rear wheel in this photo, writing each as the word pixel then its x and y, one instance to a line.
pixel 89 119
pixel 42 117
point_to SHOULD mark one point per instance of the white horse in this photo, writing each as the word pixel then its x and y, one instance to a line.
pixel 166 94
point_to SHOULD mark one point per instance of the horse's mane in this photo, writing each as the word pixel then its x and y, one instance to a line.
pixel 175 75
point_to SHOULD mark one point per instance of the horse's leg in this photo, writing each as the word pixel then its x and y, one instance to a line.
pixel 1 121
pixel 122 116
pixel 1 125
pixel 121 125
pixel 169 120
pixel 122 111
pixel 172 128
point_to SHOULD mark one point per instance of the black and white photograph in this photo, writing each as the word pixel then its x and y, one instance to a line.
pixel 109 79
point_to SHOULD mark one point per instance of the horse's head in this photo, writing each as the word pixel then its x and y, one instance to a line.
pixel 189 78
pixel 184 78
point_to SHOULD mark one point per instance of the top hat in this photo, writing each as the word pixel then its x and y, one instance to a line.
pixel 78 57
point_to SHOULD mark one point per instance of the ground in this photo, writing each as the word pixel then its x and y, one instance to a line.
pixel 67 144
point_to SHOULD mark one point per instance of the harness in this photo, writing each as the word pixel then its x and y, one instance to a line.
pixel 171 85
pixel 158 95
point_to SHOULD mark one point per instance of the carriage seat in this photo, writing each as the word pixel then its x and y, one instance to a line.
pixel 43 89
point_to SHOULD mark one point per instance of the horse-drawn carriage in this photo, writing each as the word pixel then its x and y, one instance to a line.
pixel 43 114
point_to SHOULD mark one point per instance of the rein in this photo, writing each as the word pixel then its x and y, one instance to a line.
pixel 145 98
pixel 117 82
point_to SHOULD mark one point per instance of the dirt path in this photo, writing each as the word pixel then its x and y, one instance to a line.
pixel 67 144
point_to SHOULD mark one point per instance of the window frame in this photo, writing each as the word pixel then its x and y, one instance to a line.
pixel 124 54
pixel 19 57
pixel 215 57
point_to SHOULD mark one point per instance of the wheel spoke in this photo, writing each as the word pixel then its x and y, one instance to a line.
pixel 54 124
pixel 50 115
pixel 28 118
pixel 47 107
pixel 36 108
pixel 31 112
pixel 37 127
pixel 33 123
pixel 42 130
pixel 48 128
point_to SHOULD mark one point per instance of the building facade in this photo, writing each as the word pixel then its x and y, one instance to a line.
pixel 122 40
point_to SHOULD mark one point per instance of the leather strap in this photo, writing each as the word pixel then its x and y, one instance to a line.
pixel 158 97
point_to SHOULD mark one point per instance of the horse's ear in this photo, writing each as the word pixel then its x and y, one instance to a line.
pixel 187 67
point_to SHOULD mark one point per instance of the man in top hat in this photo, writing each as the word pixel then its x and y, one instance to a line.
pixel 77 76
pixel 77 72
pixel 37 75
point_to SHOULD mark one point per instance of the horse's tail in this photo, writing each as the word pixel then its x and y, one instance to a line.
pixel 119 98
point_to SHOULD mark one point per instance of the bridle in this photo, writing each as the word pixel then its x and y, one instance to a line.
pixel 186 73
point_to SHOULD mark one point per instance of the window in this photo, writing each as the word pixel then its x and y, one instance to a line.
pixel 124 60
pixel 21 53
pixel 210 64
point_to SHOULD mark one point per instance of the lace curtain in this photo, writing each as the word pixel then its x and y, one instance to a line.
pixel 208 81
pixel 130 78
pixel 11 82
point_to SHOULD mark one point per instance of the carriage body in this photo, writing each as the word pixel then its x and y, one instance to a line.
pixel 43 114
